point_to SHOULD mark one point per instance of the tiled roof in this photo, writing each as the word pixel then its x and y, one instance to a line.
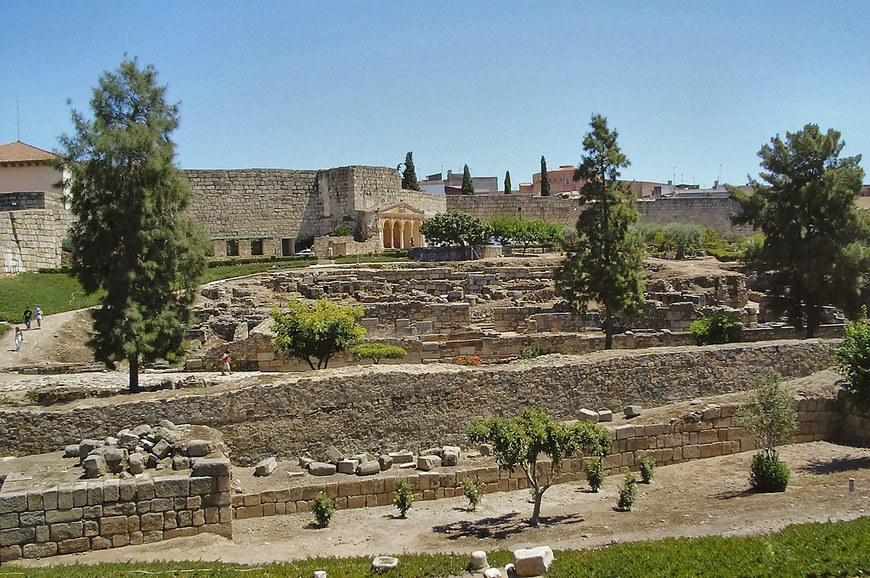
pixel 19 152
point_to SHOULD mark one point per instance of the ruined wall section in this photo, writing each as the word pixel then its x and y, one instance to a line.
pixel 31 239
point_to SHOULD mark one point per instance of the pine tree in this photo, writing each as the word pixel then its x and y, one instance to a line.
pixel 604 264
pixel 507 182
pixel 129 238
pixel 545 180
pixel 467 183
pixel 816 249
pixel 409 175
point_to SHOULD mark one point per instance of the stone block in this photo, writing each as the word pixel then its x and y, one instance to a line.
pixel 347 466
pixel 368 469
pixel 266 467
pixel 631 411
pixel 100 543
pixel 43 550
pixel 211 467
pixel 605 415
pixel 66 531
pixel 385 462
pixel 333 455
pixel 95 466
pixel 587 415
pixel 426 463
pixel 68 515
pixel 402 457
pixel 321 469
pixel 161 449
pixel 198 448
pixel 532 561
pixel 13 502
pixel 17 536
pixel 171 487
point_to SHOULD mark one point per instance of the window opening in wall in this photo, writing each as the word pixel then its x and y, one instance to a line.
pixel 256 246
pixel 287 247
pixel 232 248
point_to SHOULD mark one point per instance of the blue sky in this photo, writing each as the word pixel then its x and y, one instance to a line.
pixel 694 88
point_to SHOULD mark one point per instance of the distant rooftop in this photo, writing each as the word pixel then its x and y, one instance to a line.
pixel 19 152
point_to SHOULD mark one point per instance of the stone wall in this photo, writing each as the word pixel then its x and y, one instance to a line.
pixel 31 239
pixel 22 201
pixel 101 514
pixel 708 212
pixel 394 406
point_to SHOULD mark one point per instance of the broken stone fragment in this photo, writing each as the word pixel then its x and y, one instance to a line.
pixel 485 450
pixel 141 430
pixel 450 456
pixel 95 466
pixel 385 563
pixel 478 561
pixel 135 463
pixel 266 467
pixel 432 452
pixel 115 459
pixel 587 415
pixel 161 449
pixel 426 463
pixel 333 456
pixel 86 446
pixel 532 561
pixel 127 439
pixel 403 457
pixel 368 469
pixel 180 463
pixel 321 469
pixel 165 423
pixel 605 415
pixel 198 448
pixel 492 573
pixel 631 410
pixel 71 451
pixel 169 435
pixel 348 466
pixel 386 462
pixel 304 462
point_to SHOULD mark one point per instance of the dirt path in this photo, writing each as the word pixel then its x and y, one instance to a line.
pixel 60 340
pixel 699 498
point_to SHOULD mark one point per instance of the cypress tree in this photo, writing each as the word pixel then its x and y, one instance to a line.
pixel 129 238
pixel 545 180
pixel 507 182
pixel 467 183
pixel 409 175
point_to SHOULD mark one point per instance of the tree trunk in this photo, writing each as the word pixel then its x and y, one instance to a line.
pixel 536 511
pixel 134 373
pixel 608 330
pixel 813 316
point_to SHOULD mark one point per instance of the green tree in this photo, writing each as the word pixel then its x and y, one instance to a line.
pixel 604 263
pixel 853 357
pixel 467 183
pixel 519 442
pixel 455 228
pixel 545 180
pixel 129 237
pixel 815 248
pixel 316 332
pixel 507 182
pixel 409 175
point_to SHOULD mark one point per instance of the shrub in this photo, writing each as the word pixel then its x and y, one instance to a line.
pixel 322 508
pixel 769 415
pixel 530 352
pixel 853 357
pixel 628 493
pixel 768 474
pixel 717 328
pixel 595 473
pixel 473 492
pixel 647 466
pixel 467 360
pixel 404 498
pixel 377 351
pixel 343 230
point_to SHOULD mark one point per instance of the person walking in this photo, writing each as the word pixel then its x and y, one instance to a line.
pixel 28 315
pixel 38 317
pixel 225 363
pixel 18 338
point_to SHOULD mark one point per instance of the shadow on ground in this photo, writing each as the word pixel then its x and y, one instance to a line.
pixel 500 527
pixel 835 465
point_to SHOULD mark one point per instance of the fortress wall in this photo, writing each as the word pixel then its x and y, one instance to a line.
pixel 31 239
pixel 381 408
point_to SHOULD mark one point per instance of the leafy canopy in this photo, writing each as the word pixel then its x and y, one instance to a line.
pixel 853 357
pixel 517 442
pixel 409 175
pixel 316 332
pixel 454 228
pixel 816 250
pixel 604 262
pixel 467 183
pixel 769 415
pixel 522 231
pixel 129 238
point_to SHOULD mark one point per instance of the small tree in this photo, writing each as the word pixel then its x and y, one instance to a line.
pixel 519 442
pixel 507 182
pixel 322 508
pixel 130 237
pixel 853 357
pixel 404 497
pixel 377 351
pixel 769 416
pixel 473 491
pixel 455 228
pixel 627 493
pixel 409 175
pixel 467 183
pixel 545 180
pixel 317 331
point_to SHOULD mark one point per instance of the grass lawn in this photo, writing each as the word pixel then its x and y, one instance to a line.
pixel 832 549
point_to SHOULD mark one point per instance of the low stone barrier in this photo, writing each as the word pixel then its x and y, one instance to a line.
pixel 101 514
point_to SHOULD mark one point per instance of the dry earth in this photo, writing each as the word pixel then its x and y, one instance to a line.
pixel 699 498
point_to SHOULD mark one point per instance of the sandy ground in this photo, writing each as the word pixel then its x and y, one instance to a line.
pixel 699 498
